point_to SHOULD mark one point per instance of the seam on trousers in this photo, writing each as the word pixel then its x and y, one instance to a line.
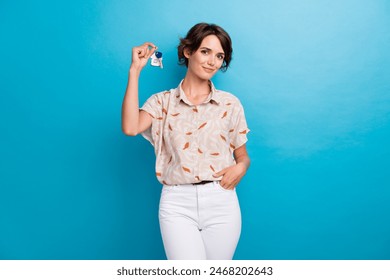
pixel 197 208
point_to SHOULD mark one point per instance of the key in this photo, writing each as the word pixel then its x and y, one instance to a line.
pixel 159 57
pixel 156 59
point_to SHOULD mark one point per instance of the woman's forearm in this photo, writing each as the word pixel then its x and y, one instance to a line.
pixel 130 105
pixel 243 159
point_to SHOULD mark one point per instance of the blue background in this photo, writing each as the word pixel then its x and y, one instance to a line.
pixel 313 77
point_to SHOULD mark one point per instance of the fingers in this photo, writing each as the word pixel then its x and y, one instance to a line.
pixel 145 50
pixel 228 183
pixel 227 180
pixel 231 176
pixel 150 48
pixel 230 186
pixel 149 44
pixel 220 173
pixel 224 181
pixel 141 54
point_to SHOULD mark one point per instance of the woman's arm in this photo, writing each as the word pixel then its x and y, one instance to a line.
pixel 241 156
pixel 135 121
pixel 232 175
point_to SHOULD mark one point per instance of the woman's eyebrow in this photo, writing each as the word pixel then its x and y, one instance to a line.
pixel 208 49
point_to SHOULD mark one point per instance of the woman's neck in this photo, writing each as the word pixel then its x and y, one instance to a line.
pixel 195 88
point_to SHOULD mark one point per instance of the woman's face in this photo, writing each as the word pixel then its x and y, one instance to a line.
pixel 207 59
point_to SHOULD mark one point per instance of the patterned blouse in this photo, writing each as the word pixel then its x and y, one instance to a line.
pixel 193 142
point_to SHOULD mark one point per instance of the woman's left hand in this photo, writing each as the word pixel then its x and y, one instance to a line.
pixel 231 175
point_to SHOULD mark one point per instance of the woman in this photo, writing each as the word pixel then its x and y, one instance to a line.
pixel 196 130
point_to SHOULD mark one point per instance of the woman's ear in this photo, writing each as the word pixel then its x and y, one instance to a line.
pixel 187 53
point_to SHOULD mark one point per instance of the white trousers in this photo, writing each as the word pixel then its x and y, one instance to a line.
pixel 199 221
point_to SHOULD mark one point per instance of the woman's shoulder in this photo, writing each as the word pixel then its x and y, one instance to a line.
pixel 162 95
pixel 227 97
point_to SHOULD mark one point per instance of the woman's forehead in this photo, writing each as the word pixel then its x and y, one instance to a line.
pixel 212 42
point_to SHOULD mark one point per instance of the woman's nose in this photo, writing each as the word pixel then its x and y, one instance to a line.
pixel 211 61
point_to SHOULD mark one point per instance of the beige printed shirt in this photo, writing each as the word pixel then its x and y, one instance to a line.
pixel 193 142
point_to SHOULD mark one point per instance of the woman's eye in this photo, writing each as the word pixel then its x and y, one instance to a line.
pixel 204 51
pixel 221 57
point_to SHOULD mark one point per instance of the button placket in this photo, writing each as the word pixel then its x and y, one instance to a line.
pixel 197 155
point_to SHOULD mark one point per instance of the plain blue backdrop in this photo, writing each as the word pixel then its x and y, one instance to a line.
pixel 313 76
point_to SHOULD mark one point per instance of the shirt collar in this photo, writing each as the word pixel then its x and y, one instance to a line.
pixel 214 95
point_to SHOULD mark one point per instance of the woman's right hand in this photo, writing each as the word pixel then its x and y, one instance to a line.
pixel 141 55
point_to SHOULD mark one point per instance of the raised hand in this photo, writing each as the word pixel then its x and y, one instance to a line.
pixel 141 55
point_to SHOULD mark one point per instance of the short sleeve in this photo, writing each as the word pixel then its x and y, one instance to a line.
pixel 240 127
pixel 153 107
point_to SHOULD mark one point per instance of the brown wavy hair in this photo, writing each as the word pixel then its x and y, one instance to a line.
pixel 195 37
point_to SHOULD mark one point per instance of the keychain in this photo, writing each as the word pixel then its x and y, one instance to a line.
pixel 156 59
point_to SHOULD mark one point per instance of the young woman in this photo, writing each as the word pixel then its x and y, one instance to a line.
pixel 199 136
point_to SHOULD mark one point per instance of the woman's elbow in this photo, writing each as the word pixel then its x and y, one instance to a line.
pixel 129 132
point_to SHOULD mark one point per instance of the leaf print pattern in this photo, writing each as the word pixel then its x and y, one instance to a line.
pixel 193 143
pixel 202 125
pixel 186 169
